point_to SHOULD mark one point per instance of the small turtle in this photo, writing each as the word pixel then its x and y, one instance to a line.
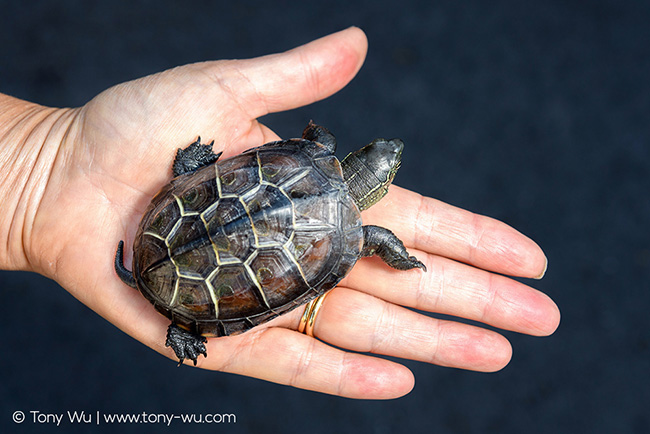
pixel 231 244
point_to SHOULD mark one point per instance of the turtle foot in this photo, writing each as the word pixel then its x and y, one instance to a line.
pixel 194 157
pixel 320 134
pixel 383 243
pixel 185 344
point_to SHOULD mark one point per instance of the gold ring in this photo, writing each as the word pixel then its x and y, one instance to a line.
pixel 308 319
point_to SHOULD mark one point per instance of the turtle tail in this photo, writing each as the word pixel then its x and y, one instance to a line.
pixel 120 269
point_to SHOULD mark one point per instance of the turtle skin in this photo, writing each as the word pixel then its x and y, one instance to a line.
pixel 236 243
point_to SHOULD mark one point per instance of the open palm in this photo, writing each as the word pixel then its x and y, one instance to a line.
pixel 115 153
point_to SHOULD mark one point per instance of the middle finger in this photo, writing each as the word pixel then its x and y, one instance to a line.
pixel 453 288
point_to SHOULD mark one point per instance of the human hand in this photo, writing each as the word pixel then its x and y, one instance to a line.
pixel 97 167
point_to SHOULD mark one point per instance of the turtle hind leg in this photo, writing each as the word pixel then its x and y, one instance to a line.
pixel 194 157
pixel 186 345
pixel 120 269
pixel 383 243
pixel 319 134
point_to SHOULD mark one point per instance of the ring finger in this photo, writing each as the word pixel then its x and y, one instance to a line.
pixel 361 322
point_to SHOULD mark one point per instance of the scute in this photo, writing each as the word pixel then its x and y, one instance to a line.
pixel 198 198
pixel 282 164
pixel 164 221
pixel 315 201
pixel 242 241
pixel 271 215
pixel 237 293
pixel 192 305
pixel 278 276
pixel 191 250
pixel 239 174
pixel 331 168
pixel 194 299
pixel 230 230
pixel 315 253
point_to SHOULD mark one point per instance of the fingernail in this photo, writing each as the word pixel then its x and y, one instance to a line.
pixel 543 271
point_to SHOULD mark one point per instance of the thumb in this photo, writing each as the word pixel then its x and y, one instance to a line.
pixel 296 77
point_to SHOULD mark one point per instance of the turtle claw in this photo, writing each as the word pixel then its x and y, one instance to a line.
pixel 185 344
pixel 416 263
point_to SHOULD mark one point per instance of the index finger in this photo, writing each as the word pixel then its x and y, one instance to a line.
pixel 433 226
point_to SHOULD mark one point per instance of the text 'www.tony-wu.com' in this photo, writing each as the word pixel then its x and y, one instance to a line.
pixel 99 418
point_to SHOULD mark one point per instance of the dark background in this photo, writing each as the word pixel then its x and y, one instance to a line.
pixel 536 113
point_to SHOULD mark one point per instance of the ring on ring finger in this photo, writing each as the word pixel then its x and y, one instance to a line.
pixel 308 318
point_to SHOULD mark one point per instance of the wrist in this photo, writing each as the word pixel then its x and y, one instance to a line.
pixel 30 140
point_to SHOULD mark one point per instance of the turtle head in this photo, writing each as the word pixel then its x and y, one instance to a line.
pixel 382 158
pixel 369 171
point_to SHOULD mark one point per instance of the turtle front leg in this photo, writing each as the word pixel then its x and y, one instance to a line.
pixel 321 135
pixel 185 344
pixel 383 243
pixel 194 157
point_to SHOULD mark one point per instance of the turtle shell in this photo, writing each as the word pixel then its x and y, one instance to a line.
pixel 246 239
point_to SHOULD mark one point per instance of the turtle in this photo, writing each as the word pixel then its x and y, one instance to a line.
pixel 232 243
